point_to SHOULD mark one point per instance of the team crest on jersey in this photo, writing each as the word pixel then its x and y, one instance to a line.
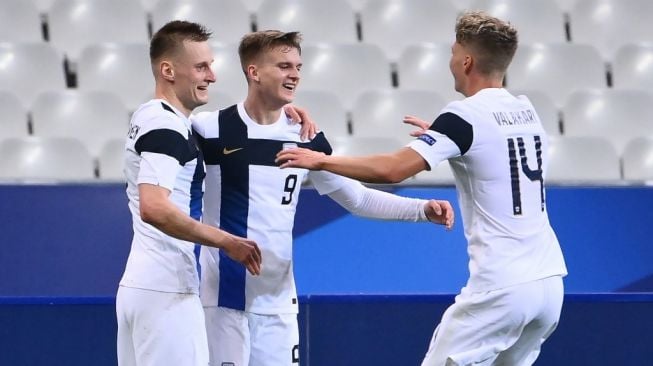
pixel 427 138
pixel 133 131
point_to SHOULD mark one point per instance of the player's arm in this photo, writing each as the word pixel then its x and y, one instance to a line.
pixel 372 203
pixel 383 168
pixel 157 210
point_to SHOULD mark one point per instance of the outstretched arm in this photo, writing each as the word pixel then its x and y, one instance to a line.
pixel 372 203
pixel 157 210
pixel 383 168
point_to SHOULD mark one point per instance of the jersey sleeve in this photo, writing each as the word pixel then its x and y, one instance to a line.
pixel 326 182
pixel 449 136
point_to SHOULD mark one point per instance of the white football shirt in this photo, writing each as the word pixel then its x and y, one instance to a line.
pixel 160 150
pixel 497 150
pixel 247 194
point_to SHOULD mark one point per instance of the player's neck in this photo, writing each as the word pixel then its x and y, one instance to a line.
pixel 476 84
pixel 171 98
pixel 261 112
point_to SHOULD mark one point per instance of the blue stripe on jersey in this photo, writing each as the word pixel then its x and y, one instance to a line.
pixel 234 153
pixel 196 195
pixel 456 129
pixel 167 142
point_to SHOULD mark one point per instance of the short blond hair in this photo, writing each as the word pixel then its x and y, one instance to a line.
pixel 492 40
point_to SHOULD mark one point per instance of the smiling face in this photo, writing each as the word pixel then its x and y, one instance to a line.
pixel 276 74
pixel 193 74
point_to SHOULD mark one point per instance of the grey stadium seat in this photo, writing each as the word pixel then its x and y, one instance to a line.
pixel 557 69
pixel 637 159
pixel 229 75
pixel 326 109
pixel 632 67
pixel 92 117
pixel 29 69
pixel 582 159
pixel 618 115
pixel 111 160
pixel 393 24
pixel 41 158
pixel 120 68
pixel 229 20
pixel 13 122
pixel 19 21
pixel 379 113
pixel 319 21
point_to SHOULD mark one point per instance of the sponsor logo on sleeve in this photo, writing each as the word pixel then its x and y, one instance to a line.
pixel 427 138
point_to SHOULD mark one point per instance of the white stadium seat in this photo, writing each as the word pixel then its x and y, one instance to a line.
pixel 27 69
pixel 359 146
pixel 344 69
pixel 557 69
pixel 13 122
pixel 632 67
pixel 325 109
pixel 535 20
pixel 638 159
pixel 75 24
pixel 379 113
pixel 92 117
pixel 609 24
pixel 20 21
pixel 582 159
pixel 120 68
pixel 228 20
pixel 111 160
pixel 393 24
pixel 440 175
pixel 425 66
pixel 229 75
pixel 41 158
pixel 618 115
pixel 318 21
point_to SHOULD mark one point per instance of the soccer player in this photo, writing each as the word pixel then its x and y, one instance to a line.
pixel 497 149
pixel 160 317
pixel 252 321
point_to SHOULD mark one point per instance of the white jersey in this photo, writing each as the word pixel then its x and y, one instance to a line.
pixel 247 194
pixel 497 150
pixel 161 150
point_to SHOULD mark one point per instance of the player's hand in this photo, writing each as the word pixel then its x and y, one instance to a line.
pixel 439 212
pixel 300 158
pixel 300 115
pixel 419 123
pixel 246 252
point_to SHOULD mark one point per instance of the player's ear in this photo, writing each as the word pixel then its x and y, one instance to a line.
pixel 468 62
pixel 252 73
pixel 167 71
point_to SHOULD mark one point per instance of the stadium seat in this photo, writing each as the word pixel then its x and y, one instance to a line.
pixel 358 146
pixel 379 113
pixel 318 21
pixel 535 20
pixel 43 6
pixel 251 5
pixel 92 117
pixel 609 24
pixel 545 108
pixel 618 115
pixel 27 69
pixel 19 22
pixel 637 159
pixel 217 100
pixel 632 67
pixel 556 69
pixel 13 122
pixel 120 68
pixel 344 69
pixel 229 75
pixel 325 109
pixel 393 24
pixel 111 160
pixel 582 159
pixel 440 175
pixel 426 67
pixel 41 158
pixel 566 5
pixel 228 20
pixel 75 24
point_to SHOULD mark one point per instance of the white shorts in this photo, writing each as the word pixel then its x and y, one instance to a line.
pixel 160 328
pixel 502 327
pixel 238 338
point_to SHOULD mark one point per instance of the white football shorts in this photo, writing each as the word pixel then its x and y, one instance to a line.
pixel 238 338
pixel 160 329
pixel 501 327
